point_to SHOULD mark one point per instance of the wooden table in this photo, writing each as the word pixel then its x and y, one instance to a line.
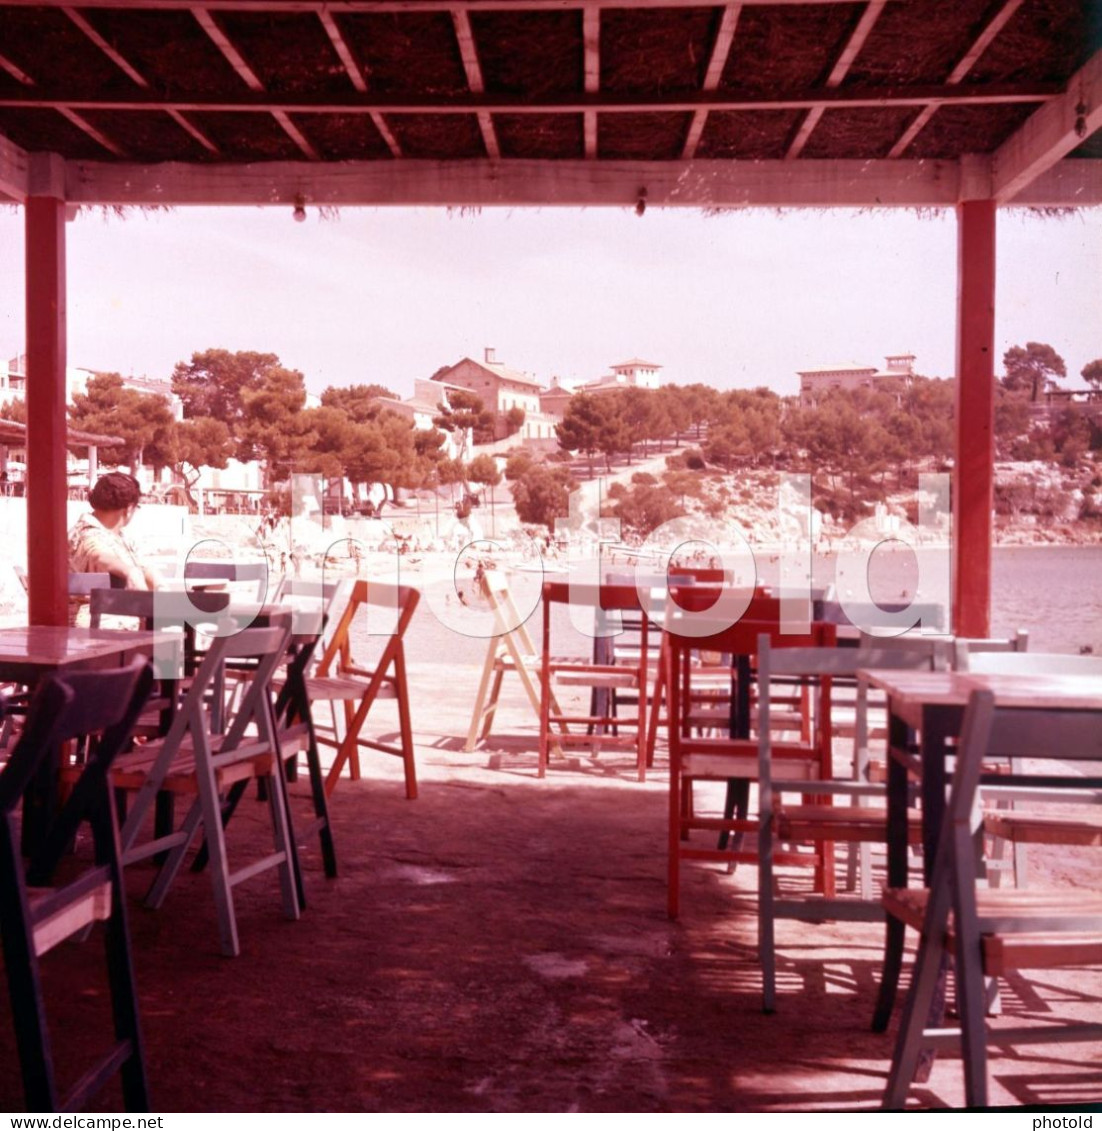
pixel 27 654
pixel 931 705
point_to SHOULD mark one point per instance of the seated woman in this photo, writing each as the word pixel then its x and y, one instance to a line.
pixel 97 543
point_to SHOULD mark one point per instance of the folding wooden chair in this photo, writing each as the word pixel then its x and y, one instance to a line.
pixel 734 757
pixel 861 821
pixel 295 734
pixel 196 762
pixel 510 649
pixel 339 679
pixel 100 706
pixel 991 933
pixel 601 730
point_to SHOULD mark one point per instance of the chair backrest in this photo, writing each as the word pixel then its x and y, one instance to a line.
pixel 81 584
pixel 312 604
pixel 967 645
pixel 1029 663
pixel 676 575
pixel 866 617
pixel 77 705
pixel 919 642
pixel 230 571
pixel 687 621
pixel 154 609
pixel 834 662
pixel 604 597
pixel 399 602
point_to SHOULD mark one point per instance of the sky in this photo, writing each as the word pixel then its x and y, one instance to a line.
pixel 735 299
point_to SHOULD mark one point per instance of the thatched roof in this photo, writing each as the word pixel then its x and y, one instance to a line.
pixel 13 434
pixel 336 102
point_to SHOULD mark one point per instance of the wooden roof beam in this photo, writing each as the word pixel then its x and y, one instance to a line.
pixel 393 6
pixel 13 170
pixel 250 78
pixel 964 65
pixel 469 54
pixel 581 183
pixel 591 41
pixel 838 72
pixel 1051 133
pixel 721 49
pixel 605 103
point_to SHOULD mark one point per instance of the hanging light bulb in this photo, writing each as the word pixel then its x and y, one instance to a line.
pixel 641 202
pixel 300 208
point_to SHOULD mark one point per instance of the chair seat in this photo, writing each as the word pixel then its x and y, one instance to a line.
pixel 1028 912
pixel 594 676
pixel 131 770
pixel 1024 827
pixel 720 759
pixel 1025 949
pixel 342 688
pixel 849 823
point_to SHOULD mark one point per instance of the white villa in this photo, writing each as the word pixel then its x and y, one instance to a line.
pixel 815 382
pixel 633 374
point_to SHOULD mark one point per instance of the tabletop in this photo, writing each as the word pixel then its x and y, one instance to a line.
pixel 27 651
pixel 952 689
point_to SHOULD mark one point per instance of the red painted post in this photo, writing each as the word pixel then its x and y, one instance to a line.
pixel 47 483
pixel 974 474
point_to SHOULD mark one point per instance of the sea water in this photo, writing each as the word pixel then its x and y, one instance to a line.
pixel 1054 592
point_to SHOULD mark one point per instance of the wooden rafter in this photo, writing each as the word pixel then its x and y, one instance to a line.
pixel 250 78
pixel 838 72
pixel 721 49
pixel 355 76
pixel 115 56
pixel 591 40
pixel 222 41
pixel 344 52
pixel 191 128
pixel 604 102
pixel 135 75
pixel 295 134
pixel 387 134
pixel 97 136
pixel 469 54
pixel 963 66
pixel 1051 133
pixel 15 72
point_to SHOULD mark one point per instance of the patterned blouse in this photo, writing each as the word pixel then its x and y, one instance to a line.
pixel 95 549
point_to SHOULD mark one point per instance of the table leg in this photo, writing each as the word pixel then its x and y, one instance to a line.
pixel 894 929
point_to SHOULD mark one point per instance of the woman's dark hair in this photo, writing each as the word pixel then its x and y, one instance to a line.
pixel 115 492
